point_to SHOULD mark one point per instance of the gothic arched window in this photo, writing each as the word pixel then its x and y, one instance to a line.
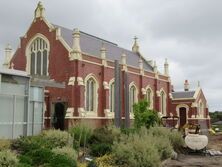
pixel 163 103
pixel 132 97
pixel 39 51
pixel 91 95
pixel 149 97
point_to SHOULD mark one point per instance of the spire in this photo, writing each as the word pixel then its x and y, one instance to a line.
pixel 40 10
pixel 135 47
pixel 166 68
pixel 186 85
pixel 8 56
pixel 76 50
pixel 103 54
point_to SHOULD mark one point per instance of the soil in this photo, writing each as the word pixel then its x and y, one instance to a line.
pixel 197 159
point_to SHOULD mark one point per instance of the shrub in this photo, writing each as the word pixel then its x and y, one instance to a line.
pixel 4 144
pixel 176 140
pixel 40 156
pixel 175 137
pixel 81 135
pixel 25 144
pixel 67 151
pixel 105 135
pixel 135 151
pixel 8 159
pixel 58 160
pixel 143 116
pixel 106 160
pixel 56 138
pixel 100 149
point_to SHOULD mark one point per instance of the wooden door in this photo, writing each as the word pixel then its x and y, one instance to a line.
pixel 183 116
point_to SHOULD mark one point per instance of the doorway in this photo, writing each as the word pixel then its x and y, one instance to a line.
pixel 59 116
pixel 183 116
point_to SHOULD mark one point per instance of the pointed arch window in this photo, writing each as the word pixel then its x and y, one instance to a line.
pixel 163 103
pixel 149 97
pixel 112 98
pixel 132 97
pixel 91 95
pixel 39 51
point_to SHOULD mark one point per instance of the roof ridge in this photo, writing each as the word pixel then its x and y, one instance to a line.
pixel 88 35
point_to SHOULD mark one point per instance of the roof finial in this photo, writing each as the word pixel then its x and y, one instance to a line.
pixel 103 54
pixel 135 47
pixel 166 68
pixel 186 85
pixel 40 10
pixel 198 84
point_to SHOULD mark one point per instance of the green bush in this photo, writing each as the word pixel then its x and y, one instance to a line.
pixel 105 134
pixel 67 151
pixel 40 156
pixel 25 144
pixel 56 138
pixel 136 151
pixel 58 160
pixel 176 140
pixel 143 116
pixel 174 137
pixel 8 159
pixel 81 135
pixel 100 149
pixel 47 139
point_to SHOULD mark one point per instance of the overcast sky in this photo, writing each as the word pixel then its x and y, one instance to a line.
pixel 186 32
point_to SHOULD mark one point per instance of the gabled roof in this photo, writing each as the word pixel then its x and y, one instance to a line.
pixel 183 94
pixel 92 45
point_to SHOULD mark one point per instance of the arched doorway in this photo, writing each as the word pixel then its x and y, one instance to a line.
pixel 183 116
pixel 59 116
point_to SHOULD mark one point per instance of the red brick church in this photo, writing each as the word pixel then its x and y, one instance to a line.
pixel 78 71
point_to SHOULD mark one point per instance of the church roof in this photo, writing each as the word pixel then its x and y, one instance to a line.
pixel 91 44
pixel 183 94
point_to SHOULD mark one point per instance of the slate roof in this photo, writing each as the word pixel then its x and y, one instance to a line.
pixel 183 94
pixel 91 44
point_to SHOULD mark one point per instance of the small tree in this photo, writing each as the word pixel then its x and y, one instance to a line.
pixel 143 116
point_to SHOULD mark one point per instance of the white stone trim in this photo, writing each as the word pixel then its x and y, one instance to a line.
pixel 69 112
pixel 108 113
pixel 80 81
pixel 71 81
pixel 105 85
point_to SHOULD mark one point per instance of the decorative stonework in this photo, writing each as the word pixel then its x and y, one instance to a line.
pixel 123 62
pixel 71 81
pixel 158 93
pixel 76 50
pixel 39 11
pixel 105 85
pixel 69 112
pixel 143 90
pixel 108 113
pixel 80 81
